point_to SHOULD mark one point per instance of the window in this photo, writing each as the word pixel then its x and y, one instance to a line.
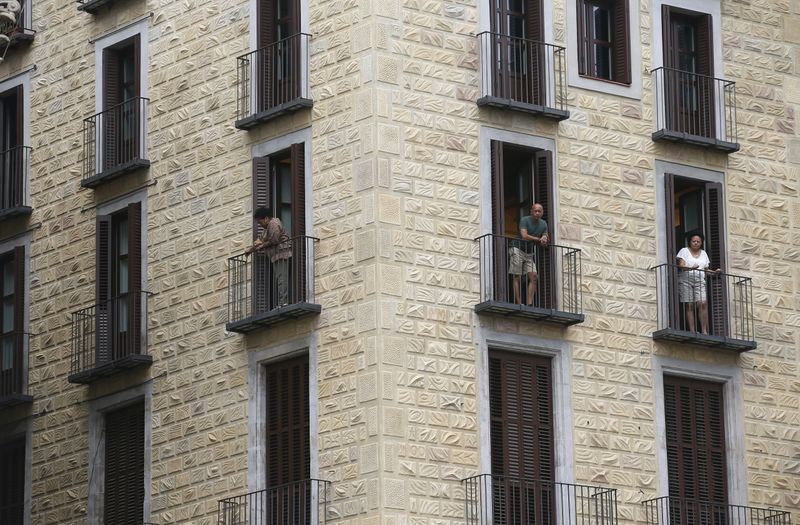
pixel 123 109
pixel 689 71
pixel 288 485
pixel 280 45
pixel 522 449
pixel 520 177
pixel 123 500
pixel 119 284
pixel 603 40
pixel 12 482
pixel 695 437
pixel 697 207
pixel 13 153
pixel 279 183
pixel 519 33
pixel 12 286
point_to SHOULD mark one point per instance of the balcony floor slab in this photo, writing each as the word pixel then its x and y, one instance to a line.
pixel 10 400
pixel 522 311
pixel 112 367
pixel 535 109
pixel 7 213
pixel 112 173
pixel 698 140
pixel 711 341
pixel 278 315
pixel 274 112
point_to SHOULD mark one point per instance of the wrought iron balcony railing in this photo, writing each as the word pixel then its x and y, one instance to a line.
pixel 272 81
pixel 115 142
pixel 500 500
pixel 706 308
pixel 13 384
pixel 263 289
pixel 695 109
pixel 521 74
pixel 14 164
pixel 676 511
pixel 108 337
pixel 299 503
pixel 506 267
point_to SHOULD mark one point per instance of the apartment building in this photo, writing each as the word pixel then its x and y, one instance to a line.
pixel 420 370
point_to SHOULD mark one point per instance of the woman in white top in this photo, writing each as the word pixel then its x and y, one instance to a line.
pixel 692 282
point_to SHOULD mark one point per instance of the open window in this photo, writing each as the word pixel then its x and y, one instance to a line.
pixel 14 154
pixel 604 40
pixel 13 367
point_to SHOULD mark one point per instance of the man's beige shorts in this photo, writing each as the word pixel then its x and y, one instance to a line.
pixel 520 262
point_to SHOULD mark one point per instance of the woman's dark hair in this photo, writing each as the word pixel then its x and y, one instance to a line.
pixel 689 238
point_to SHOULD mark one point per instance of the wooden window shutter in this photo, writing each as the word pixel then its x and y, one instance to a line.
pixel 705 48
pixel 266 23
pixel 111 118
pixel 19 318
pixel 124 468
pixel 287 405
pixel 667 40
pixel 583 37
pixel 298 160
pixel 621 42
pixel 261 187
pixel 498 212
pixel 715 248
pixel 111 78
pixel 671 274
pixel 537 62
pixel 12 482
pixel 262 280
pixel 695 434
pixel 705 84
pixel 499 248
pixel 137 64
pixel 19 124
pixel 136 299
pixel 545 261
pixel 103 289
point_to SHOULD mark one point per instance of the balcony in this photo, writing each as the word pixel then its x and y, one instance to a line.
pixel 14 164
pixel 557 288
pixel 726 320
pixel 115 142
pixel 93 6
pixel 675 511
pixel 254 297
pixel 499 500
pixel 109 337
pixel 523 75
pixel 14 32
pixel 13 386
pixel 695 109
pixel 299 503
pixel 272 81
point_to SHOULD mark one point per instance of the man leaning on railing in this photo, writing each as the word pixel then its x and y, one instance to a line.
pixel 275 242
pixel 533 229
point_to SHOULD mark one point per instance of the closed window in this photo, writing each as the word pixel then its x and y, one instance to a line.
pixel 603 40
pixel 123 501
pixel 123 109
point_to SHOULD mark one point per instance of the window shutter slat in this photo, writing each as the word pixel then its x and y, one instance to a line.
pixel 621 42
pixel 103 288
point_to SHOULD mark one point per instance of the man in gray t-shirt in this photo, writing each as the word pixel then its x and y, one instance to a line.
pixel 532 228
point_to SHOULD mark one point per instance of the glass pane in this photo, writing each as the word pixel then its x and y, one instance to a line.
pixel 8 278
pixel 516 27
pixel 602 61
pixel 8 315
pixel 283 8
pixel 8 353
pixel 516 6
pixel 122 237
pixel 122 282
pixel 686 38
pixel 602 23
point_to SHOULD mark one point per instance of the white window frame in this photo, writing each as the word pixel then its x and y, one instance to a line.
pixel 575 79
pixel 730 376
pixel 98 408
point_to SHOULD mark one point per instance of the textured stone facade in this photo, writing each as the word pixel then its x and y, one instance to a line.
pixel 398 197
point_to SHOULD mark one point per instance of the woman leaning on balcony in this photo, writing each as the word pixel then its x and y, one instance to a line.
pixel 694 262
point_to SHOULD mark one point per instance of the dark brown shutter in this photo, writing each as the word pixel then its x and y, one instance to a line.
pixel 667 37
pixel 715 248
pixel 534 29
pixel 695 435
pixel 135 109
pixel 266 23
pixel 621 42
pixel 261 187
pixel 124 468
pixel 136 299
pixel 671 272
pixel 705 70
pixel 583 38
pixel 300 245
pixel 12 482
pixel 521 408
pixel 669 78
pixel 288 442
pixel 545 260
pixel 266 59
pixel 17 156
pixel 498 245
pixel 103 289
pixel 110 117
pixel 262 279
pixel 18 380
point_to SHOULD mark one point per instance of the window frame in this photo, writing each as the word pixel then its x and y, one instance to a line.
pixel 619 42
pixel 20 86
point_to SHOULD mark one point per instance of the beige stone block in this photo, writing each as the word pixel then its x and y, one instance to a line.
pixel 389 209
pixel 394 423
pixel 791 28
pixel 389 138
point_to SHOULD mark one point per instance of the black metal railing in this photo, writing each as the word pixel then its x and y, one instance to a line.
pixel 676 511
pixel 108 332
pixel 14 164
pixel 523 71
pixel 272 77
pixel 12 364
pixel 116 138
pixel 500 500
pixel 506 264
pixel 708 303
pixel 271 278
pixel 299 503
pixel 695 105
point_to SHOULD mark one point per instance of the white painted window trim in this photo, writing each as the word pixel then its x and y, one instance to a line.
pixel 285 142
pixel 23 80
pixel 730 375
pixel 97 422
pixel 560 352
pixel 634 90
pixel 11 431
pixel 258 360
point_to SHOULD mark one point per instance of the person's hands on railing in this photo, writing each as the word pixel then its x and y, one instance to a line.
pixel 544 240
